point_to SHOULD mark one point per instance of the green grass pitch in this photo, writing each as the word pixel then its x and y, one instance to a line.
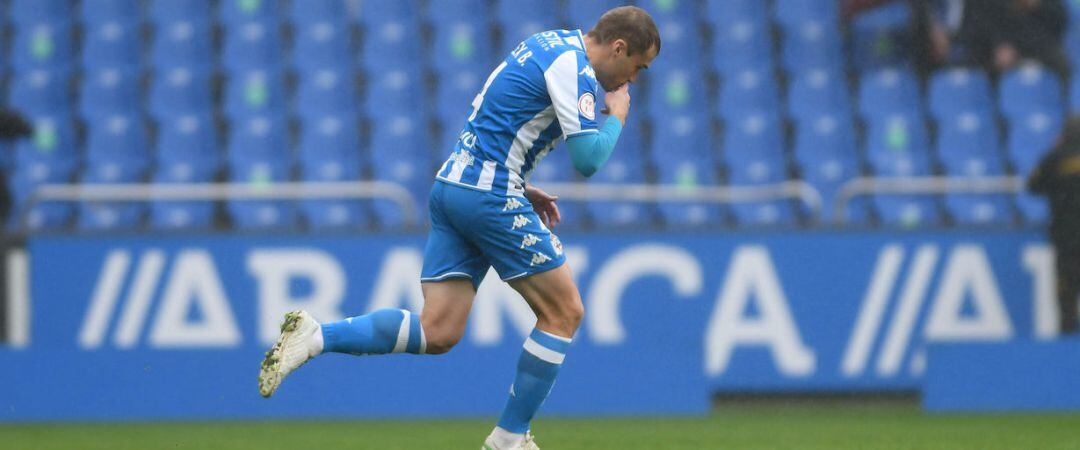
pixel 752 427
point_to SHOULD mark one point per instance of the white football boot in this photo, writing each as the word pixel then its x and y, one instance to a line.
pixel 528 444
pixel 294 347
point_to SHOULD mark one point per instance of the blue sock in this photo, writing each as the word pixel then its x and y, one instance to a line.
pixel 536 371
pixel 383 331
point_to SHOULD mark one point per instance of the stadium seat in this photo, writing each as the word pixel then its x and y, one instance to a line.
pixel 187 152
pixel 394 92
pixel 679 31
pixel 371 13
pixel 812 44
pixel 40 92
pixel 1030 137
pixel 461 45
pixel 791 12
pixel 115 153
pixel 958 90
pixel 447 11
pixel 322 45
pixel 172 11
pixel 749 92
pixel 456 92
pixel 23 12
pixel 50 156
pixel 182 44
pixel 583 15
pixel 253 93
pixel 108 92
pixel 259 155
pixel 180 91
pixel 329 137
pixel 687 161
pixel 252 45
pixel 815 93
pixel 897 147
pixel 330 152
pixel 520 19
pixel 754 156
pixel 232 12
pixel 1030 88
pixel 95 12
pixel 390 45
pixel 827 158
pixel 968 147
pixel 42 46
pixel 410 163
pixel 625 166
pixel 724 13
pixel 326 91
pixel 881 37
pixel 676 91
pixel 742 45
pixel 889 92
pixel 111 44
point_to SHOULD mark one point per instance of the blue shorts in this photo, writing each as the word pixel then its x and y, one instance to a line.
pixel 472 230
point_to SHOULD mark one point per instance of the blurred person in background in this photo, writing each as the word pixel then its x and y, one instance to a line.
pixel 12 126
pixel 1057 177
pixel 994 34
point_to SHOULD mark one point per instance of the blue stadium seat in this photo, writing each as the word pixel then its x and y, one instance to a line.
pixel 330 152
pixel 50 156
pixel 742 45
pixel 898 146
pixel 182 43
pixel 959 90
pixel 394 92
pixel 889 92
pixel 625 166
pixel 24 12
pixel 446 11
pixel 461 45
pixel 791 12
pixel 881 37
pixel 676 91
pixel 108 92
pixel 557 168
pixel 259 155
pixel 816 93
pixel 1030 88
pixel 322 45
pixel 40 92
pixel 583 15
pixel 812 44
pixel 724 13
pixel 252 45
pixel 1030 137
pixel 968 147
pixel 315 11
pixel 253 93
pixel 520 19
pixel 172 11
pixel 95 12
pixel 456 92
pixel 411 164
pixel 111 44
pixel 372 13
pixel 827 158
pixel 42 46
pixel 232 12
pixel 187 152
pixel 390 45
pixel 749 92
pixel 754 156
pixel 679 32
pixel 686 162
pixel 327 91
pixel 116 152
pixel 180 91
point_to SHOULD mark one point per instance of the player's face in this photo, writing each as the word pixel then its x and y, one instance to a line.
pixel 621 68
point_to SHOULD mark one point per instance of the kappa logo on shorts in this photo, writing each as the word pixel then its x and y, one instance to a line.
pixel 519 221
pixel 512 204
pixel 556 244
pixel 529 241
pixel 539 258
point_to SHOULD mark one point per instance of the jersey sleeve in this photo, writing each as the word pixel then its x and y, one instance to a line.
pixel 571 84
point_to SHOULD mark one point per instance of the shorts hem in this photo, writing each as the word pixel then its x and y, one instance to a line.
pixel 445 276
pixel 532 272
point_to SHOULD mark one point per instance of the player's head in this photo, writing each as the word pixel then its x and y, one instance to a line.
pixel 624 41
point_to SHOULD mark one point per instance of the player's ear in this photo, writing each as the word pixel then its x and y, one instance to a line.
pixel 618 47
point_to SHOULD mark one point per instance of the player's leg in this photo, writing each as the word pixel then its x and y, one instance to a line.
pixel 554 298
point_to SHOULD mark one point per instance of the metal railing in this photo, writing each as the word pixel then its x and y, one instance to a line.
pixel 923 186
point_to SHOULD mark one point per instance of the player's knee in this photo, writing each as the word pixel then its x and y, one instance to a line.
pixel 566 317
pixel 439 344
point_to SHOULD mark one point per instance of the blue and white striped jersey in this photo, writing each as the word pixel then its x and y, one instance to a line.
pixel 544 89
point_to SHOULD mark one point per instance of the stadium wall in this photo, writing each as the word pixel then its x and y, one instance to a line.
pixel 174 327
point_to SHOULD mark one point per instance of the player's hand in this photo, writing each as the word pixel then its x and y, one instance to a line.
pixel 544 205
pixel 618 102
